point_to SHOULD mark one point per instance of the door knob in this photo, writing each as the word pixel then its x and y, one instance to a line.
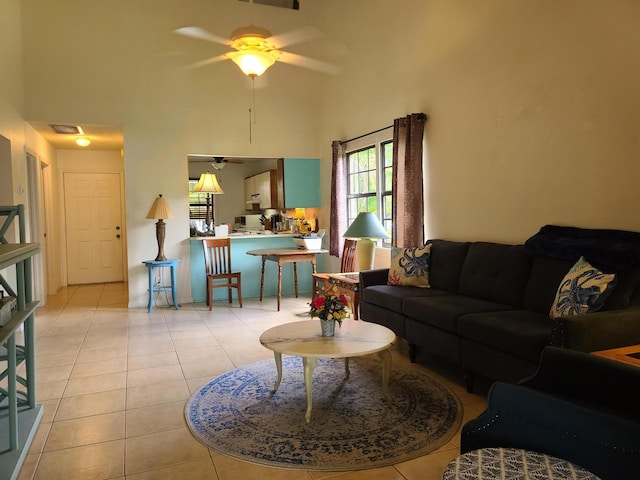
pixel 118 236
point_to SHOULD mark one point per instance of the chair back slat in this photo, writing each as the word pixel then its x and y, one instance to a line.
pixel 217 255
pixel 348 256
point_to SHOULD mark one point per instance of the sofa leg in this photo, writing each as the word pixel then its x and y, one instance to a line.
pixel 413 350
pixel 469 380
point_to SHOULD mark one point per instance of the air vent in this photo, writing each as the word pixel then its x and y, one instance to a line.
pixel 291 4
pixel 67 129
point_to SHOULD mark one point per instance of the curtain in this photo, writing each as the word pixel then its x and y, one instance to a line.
pixel 408 198
pixel 338 218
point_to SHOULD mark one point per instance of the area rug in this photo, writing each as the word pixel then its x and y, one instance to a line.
pixel 352 425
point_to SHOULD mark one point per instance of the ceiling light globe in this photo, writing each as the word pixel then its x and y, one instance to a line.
pixel 252 62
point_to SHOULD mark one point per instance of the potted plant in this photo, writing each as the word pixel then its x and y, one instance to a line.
pixel 329 308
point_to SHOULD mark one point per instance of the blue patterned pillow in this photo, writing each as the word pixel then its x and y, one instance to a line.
pixel 410 266
pixel 584 289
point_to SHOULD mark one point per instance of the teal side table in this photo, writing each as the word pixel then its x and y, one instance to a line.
pixel 172 264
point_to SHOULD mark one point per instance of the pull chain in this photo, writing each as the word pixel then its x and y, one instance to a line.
pixel 252 108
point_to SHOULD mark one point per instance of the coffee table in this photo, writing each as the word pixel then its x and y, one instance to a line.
pixel 353 339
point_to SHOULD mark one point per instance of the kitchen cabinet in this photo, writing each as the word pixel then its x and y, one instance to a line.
pixel 261 189
pixel 298 182
pixel 21 416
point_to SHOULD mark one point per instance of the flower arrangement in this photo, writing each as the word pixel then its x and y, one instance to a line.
pixel 330 307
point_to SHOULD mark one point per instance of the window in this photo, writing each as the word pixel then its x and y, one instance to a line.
pixel 369 180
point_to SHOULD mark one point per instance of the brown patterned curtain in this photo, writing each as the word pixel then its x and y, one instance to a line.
pixel 338 218
pixel 408 201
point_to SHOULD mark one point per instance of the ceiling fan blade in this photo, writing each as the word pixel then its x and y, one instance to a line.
pixel 306 62
pixel 293 37
pixel 207 61
pixel 202 34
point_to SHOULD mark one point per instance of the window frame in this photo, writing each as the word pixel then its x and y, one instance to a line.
pixel 382 144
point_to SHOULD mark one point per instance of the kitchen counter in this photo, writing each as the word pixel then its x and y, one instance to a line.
pixel 234 235
pixel 251 267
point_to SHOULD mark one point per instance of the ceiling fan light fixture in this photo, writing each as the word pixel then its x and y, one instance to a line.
pixel 253 62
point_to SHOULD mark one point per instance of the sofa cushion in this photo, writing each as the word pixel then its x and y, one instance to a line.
pixel 443 311
pixel 447 259
pixel 392 296
pixel 496 273
pixel 583 289
pixel 410 266
pixel 520 333
pixel 542 286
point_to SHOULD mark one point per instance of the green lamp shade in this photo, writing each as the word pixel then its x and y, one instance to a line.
pixel 366 225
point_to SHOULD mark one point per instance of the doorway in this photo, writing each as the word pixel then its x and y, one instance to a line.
pixel 94 237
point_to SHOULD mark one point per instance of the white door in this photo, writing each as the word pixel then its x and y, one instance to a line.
pixel 94 227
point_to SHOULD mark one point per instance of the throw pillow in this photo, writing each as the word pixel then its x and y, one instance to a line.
pixel 584 289
pixel 410 266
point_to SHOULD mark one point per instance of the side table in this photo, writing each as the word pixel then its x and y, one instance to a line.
pixel 151 264
pixel 629 354
pixel 349 285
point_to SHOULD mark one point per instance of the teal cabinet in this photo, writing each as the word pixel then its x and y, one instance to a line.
pixel 299 179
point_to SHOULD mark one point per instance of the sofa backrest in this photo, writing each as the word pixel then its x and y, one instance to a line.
pixel 547 273
pixel 496 273
pixel 545 278
pixel 446 262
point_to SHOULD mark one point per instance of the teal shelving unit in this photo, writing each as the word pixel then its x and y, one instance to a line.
pixel 19 413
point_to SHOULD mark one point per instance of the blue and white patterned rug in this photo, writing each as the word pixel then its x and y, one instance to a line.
pixel 352 425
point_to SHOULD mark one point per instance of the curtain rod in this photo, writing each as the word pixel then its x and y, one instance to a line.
pixel 420 116
pixel 365 135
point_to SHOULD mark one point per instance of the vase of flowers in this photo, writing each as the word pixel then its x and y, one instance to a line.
pixel 330 308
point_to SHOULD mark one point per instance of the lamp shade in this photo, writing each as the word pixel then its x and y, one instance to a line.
pixel 252 62
pixel 366 225
pixel 208 183
pixel 159 209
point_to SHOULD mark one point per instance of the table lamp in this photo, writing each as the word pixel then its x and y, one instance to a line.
pixel 208 183
pixel 160 210
pixel 365 227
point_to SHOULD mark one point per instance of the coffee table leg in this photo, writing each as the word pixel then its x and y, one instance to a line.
pixel 279 369
pixel 347 372
pixel 385 356
pixel 309 364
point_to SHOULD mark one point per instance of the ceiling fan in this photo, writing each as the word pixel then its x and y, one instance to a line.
pixel 217 163
pixel 255 49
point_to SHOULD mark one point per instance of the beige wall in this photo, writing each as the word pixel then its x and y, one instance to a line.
pixel 533 107
pixel 532 104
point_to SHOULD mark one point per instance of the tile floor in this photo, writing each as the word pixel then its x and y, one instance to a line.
pixel 113 382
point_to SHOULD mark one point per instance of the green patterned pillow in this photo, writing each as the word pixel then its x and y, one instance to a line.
pixel 584 289
pixel 410 266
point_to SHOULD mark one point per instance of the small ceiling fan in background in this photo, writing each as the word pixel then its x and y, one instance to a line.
pixel 217 163
pixel 255 49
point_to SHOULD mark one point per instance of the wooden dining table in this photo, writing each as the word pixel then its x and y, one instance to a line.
pixel 282 256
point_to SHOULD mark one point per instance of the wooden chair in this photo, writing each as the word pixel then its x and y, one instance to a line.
pixel 321 280
pixel 217 262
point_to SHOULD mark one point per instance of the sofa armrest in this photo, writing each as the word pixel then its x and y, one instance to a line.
pixel 520 417
pixel 377 276
pixel 597 331
pixel 587 379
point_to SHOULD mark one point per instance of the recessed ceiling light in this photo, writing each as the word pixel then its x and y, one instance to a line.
pixel 83 141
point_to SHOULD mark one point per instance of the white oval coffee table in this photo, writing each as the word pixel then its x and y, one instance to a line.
pixel 303 339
